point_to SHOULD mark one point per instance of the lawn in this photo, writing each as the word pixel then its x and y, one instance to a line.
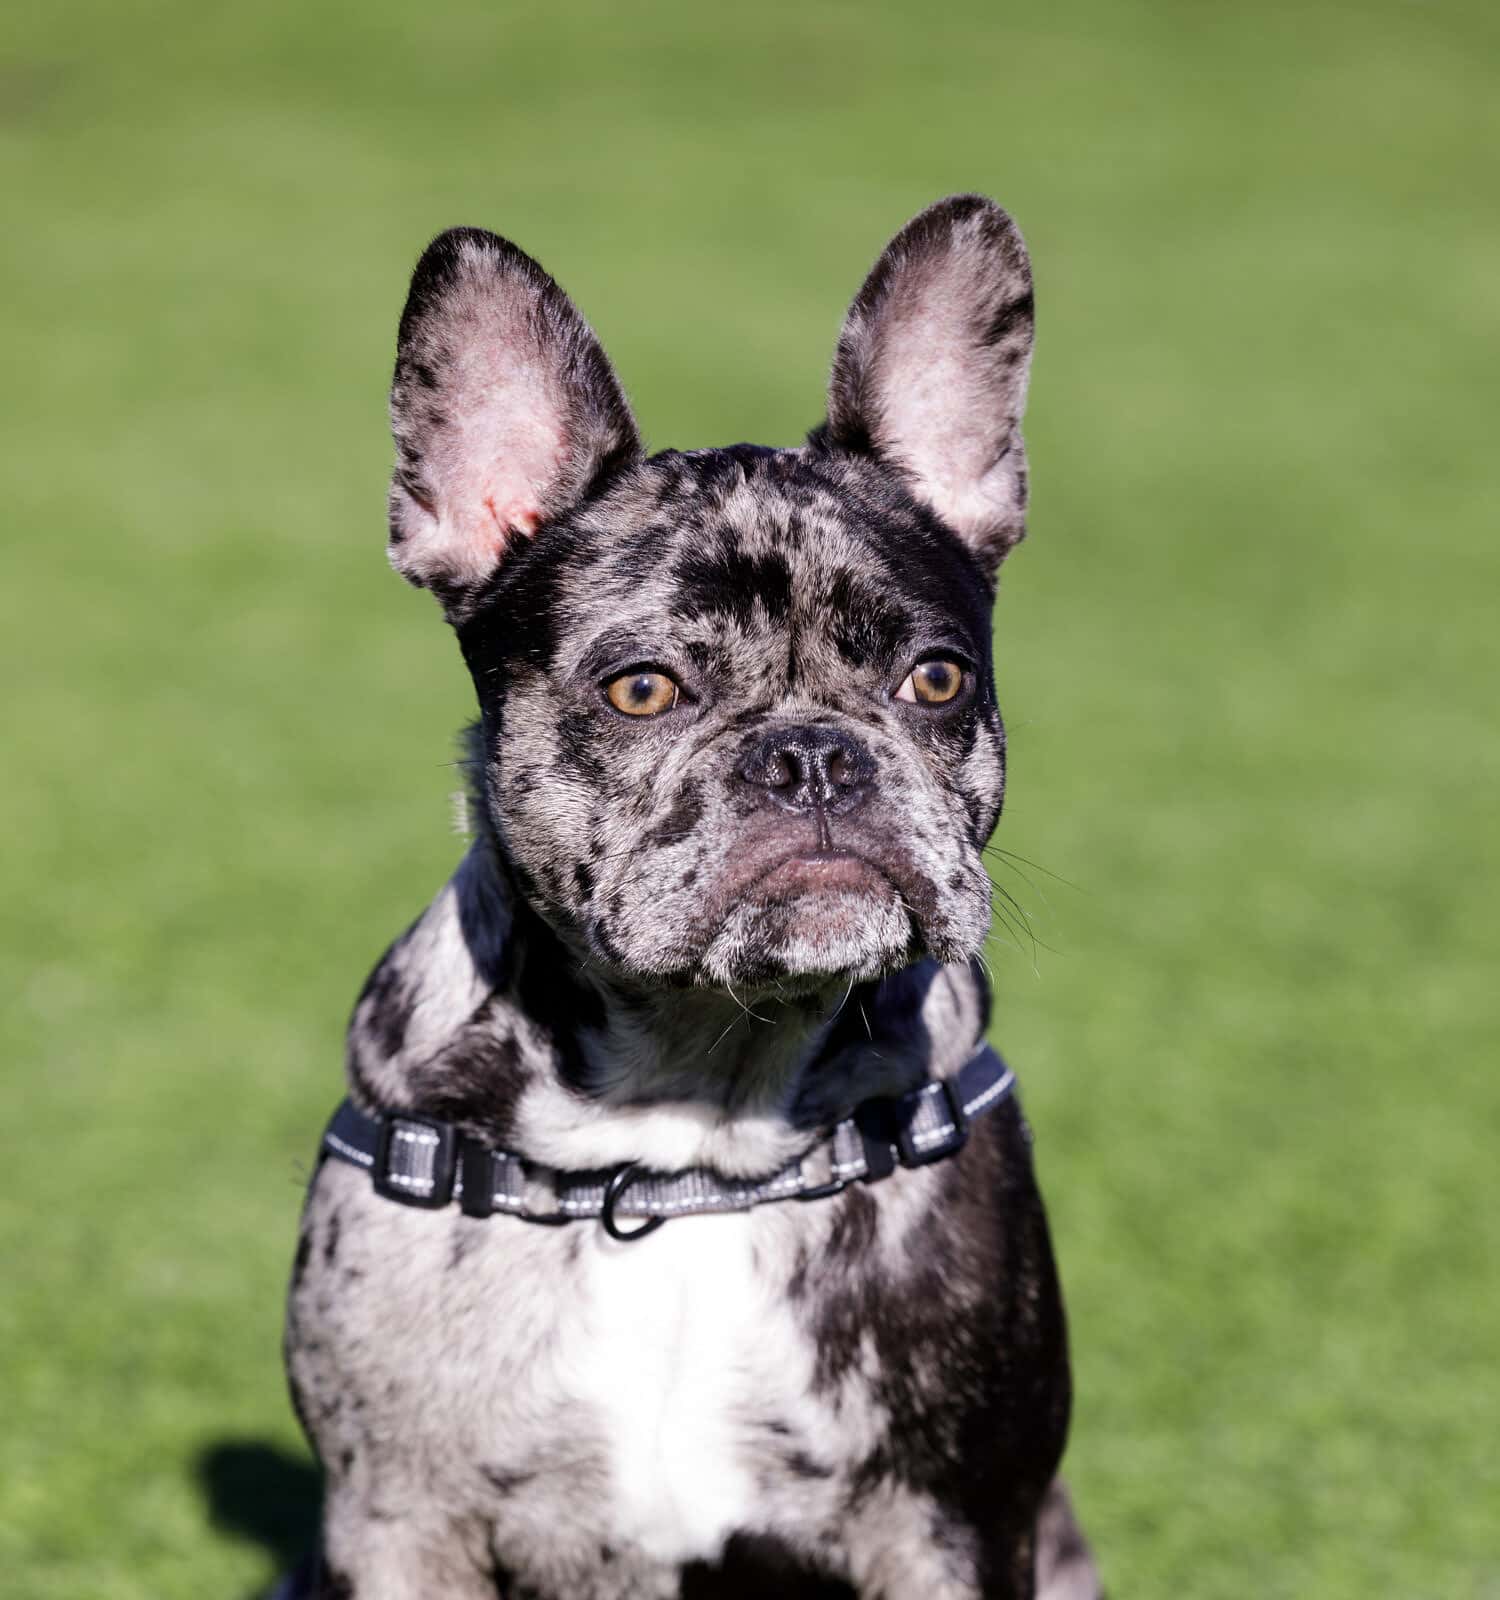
pixel 1249 658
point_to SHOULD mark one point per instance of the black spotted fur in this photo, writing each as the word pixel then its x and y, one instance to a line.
pixel 698 939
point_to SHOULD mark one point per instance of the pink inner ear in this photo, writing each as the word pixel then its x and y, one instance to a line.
pixel 516 517
pixel 501 452
pixel 493 447
pixel 493 464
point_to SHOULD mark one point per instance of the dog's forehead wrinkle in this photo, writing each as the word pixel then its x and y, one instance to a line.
pixel 742 553
pixel 747 642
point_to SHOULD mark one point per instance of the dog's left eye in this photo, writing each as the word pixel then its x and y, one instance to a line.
pixel 642 694
pixel 932 683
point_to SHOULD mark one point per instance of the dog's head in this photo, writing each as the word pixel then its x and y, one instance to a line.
pixel 737 709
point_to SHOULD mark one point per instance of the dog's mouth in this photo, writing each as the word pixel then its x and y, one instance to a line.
pixel 789 883
pixel 822 871
pixel 786 903
pixel 809 910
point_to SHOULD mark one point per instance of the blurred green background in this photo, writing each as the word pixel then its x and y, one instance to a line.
pixel 1249 658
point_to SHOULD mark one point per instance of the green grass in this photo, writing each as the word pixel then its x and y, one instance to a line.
pixel 1248 655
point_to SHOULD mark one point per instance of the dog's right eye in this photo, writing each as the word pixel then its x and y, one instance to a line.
pixel 642 694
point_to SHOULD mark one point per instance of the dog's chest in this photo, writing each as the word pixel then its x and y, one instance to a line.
pixel 571 1391
pixel 681 1356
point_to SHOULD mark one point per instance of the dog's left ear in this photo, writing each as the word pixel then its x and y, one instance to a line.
pixel 931 369
pixel 505 411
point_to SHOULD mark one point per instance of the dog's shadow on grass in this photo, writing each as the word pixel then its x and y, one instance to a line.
pixel 264 1495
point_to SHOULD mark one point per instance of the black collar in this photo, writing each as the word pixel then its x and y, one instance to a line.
pixel 419 1161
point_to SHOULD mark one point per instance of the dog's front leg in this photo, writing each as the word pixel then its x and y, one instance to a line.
pixel 385 1557
pixel 901 1544
pixel 1065 1567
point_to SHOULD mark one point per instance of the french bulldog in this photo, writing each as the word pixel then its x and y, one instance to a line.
pixel 737 762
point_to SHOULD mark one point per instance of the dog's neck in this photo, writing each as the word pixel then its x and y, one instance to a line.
pixel 483 1016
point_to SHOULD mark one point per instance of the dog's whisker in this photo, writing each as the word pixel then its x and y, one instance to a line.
pixel 1011 901
pixel 1006 917
pixel 1010 858
pixel 1021 930
pixel 771 1021
pixel 728 1029
pixel 1028 956
pixel 1011 944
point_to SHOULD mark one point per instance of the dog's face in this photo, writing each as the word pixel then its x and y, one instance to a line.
pixel 738 718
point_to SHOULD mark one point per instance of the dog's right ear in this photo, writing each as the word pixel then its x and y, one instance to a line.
pixel 504 409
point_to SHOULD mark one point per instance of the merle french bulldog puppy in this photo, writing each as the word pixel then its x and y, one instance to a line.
pixel 737 759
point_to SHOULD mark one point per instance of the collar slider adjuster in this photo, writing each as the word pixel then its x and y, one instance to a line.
pixel 918 1142
pixel 819 1173
pixel 416 1160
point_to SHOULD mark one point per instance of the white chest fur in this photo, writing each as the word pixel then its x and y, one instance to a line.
pixel 677 1350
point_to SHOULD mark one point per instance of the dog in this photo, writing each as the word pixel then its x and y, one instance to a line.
pixel 714 949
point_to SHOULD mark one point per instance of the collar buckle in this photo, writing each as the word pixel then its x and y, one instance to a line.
pixel 416 1160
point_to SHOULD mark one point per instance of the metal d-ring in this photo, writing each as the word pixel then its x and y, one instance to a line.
pixel 619 1181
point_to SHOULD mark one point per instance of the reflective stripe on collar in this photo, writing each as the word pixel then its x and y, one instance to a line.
pixel 419 1161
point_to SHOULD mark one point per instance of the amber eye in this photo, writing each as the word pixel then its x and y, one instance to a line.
pixel 641 694
pixel 932 682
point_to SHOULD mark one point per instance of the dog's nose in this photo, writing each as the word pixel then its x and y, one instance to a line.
pixel 808 767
